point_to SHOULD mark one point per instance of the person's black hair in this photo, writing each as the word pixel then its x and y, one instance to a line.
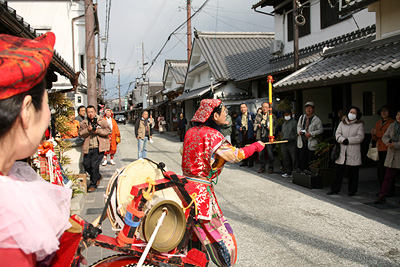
pixel 91 106
pixel 10 108
pixel 359 114
pixel 144 110
pixel 242 104
pixel 79 108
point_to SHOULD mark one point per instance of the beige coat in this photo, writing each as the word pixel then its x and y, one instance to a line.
pixel 315 128
pixel 354 132
pixel 393 154
pixel 102 135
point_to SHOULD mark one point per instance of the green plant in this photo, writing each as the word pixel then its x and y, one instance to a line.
pixel 322 154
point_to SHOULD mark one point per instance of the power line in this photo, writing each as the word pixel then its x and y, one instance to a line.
pixel 169 37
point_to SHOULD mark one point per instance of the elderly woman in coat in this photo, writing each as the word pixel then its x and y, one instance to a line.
pixel 392 161
pixel 349 134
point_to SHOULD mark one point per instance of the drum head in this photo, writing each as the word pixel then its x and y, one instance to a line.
pixel 172 229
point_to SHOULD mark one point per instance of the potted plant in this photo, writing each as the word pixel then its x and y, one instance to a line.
pixel 322 164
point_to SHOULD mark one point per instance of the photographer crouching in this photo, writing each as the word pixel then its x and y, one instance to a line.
pixel 95 130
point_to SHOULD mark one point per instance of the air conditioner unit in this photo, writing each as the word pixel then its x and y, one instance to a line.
pixel 276 47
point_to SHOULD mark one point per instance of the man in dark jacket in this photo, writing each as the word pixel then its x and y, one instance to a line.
pixel 289 149
pixel 261 126
pixel 182 122
pixel 244 124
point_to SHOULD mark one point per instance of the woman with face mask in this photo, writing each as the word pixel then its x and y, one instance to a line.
pixel 289 149
pixel 349 134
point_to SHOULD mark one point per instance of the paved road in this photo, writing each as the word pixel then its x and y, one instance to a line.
pixel 277 223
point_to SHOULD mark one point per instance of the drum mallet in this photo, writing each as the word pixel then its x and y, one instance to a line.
pixel 153 236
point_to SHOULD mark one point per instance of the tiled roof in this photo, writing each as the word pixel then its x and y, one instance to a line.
pixel 231 55
pixel 16 26
pixel 361 60
pixel 307 55
pixel 264 3
pixel 178 69
pixel 355 5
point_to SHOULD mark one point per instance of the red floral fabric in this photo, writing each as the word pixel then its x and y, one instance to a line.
pixel 199 147
pixel 23 62
pixel 205 109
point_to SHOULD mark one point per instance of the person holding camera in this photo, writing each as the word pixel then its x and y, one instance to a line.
pixel 309 127
pixel 244 124
pixel 95 130
pixel 261 126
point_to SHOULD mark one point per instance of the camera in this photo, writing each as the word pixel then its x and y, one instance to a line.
pixel 243 128
pixel 303 132
pixel 94 124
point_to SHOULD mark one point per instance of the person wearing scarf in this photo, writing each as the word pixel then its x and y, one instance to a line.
pixel 108 116
pixel 205 152
pixel 392 161
pixel 377 132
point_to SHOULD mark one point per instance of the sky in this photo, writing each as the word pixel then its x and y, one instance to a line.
pixel 133 22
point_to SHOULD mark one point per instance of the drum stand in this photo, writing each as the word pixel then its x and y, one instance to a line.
pixel 126 241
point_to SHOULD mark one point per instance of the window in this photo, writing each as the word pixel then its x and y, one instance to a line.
pixel 303 30
pixel 82 61
pixel 198 78
pixel 368 103
pixel 329 11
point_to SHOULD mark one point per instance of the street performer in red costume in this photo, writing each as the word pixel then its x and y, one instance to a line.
pixel 33 213
pixel 205 151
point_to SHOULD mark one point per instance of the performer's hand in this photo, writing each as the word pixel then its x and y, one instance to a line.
pixel 308 135
pixel 240 129
pixel 299 132
pixel 82 260
pixel 390 145
pixel 137 137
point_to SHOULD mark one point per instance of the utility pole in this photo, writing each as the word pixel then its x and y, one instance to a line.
pixel 295 37
pixel 143 77
pixel 98 76
pixel 119 89
pixel 189 29
pixel 90 54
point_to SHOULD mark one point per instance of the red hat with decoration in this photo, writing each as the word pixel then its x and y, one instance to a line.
pixel 206 108
pixel 23 62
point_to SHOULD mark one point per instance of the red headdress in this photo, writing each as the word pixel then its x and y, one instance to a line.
pixel 23 62
pixel 206 108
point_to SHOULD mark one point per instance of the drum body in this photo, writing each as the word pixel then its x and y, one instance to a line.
pixel 174 225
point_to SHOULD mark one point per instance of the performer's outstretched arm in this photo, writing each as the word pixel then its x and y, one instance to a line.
pixel 234 154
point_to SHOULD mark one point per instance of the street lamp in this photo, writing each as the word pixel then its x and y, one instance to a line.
pixel 104 64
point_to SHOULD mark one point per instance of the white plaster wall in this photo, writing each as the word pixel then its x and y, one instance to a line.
pixel 322 97
pixel 204 78
pixel 56 16
pixel 379 87
pixel 228 88
pixel 317 35
pixel 189 109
